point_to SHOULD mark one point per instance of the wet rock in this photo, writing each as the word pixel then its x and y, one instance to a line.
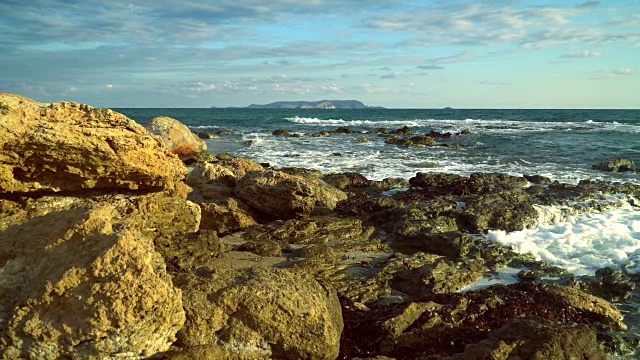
pixel 84 257
pixel 451 323
pixel 177 137
pixel 260 313
pixel 535 338
pixel 501 210
pixel 610 284
pixel 205 135
pixel 223 132
pixel 281 196
pixel 407 277
pixel 598 308
pixel 341 130
pixel 382 130
pixel 67 146
pixel 281 132
pixel 405 130
pixel 617 165
pixel 452 244
pixel 537 179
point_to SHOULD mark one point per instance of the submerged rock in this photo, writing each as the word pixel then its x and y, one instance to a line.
pixel 66 146
pixel 617 165
pixel 261 313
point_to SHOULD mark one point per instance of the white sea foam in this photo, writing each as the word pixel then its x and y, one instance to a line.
pixel 581 243
pixel 474 125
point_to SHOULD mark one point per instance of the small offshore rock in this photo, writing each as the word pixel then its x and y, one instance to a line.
pixel 617 165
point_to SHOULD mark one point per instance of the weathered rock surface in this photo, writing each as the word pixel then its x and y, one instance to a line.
pixel 260 313
pixel 451 323
pixel 67 146
pixel 177 137
pixel 81 278
pixel 281 196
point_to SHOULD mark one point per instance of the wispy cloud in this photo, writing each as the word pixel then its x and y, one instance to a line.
pixel 589 4
pixel 623 71
pixel 581 54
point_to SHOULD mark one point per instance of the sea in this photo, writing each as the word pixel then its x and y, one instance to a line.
pixel 559 144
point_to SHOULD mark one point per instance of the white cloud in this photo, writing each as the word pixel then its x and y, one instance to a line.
pixel 332 88
pixel 581 54
pixel 202 87
pixel 108 86
pixel 623 71
pixel 371 89
pixel 392 75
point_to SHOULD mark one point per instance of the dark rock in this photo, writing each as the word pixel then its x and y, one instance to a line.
pixel 535 338
pixel 537 179
pixel 610 284
pixel 205 135
pixel 411 277
pixel 382 130
pixel 281 132
pixel 223 132
pixel 452 244
pixel 346 181
pixel 617 165
pixel 405 130
pixel 450 323
pixel 342 130
pixel 424 140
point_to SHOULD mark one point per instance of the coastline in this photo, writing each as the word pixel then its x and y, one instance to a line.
pixel 355 268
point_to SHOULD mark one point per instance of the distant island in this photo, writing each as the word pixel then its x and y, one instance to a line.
pixel 322 104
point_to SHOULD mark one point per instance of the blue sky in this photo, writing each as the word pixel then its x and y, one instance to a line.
pixel 403 54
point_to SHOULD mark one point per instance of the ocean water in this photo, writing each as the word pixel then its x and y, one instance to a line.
pixel 559 144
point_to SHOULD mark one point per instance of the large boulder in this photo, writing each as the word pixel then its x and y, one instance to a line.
pixel 176 137
pixel 260 313
pixel 281 196
pixel 66 146
pixel 80 278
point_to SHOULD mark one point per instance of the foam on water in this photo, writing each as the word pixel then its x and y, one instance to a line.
pixel 583 243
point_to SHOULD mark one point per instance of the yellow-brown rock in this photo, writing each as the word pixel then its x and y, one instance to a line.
pixel 66 146
pixel 176 137
pixel 278 195
pixel 80 278
pixel 260 313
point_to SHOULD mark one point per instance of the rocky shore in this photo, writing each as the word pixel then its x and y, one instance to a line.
pixel 118 243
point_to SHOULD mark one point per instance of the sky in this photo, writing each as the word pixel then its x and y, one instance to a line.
pixel 396 54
